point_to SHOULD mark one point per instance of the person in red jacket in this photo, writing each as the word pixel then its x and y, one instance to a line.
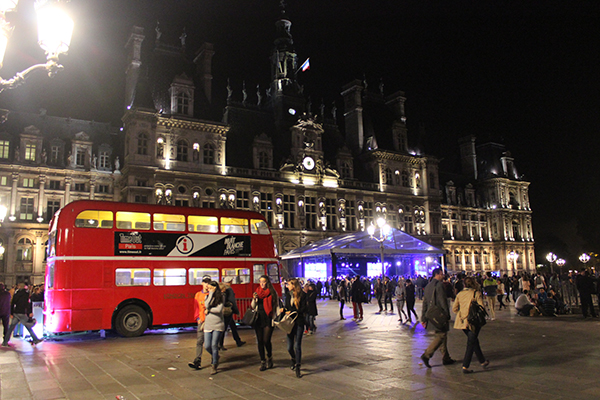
pixel 199 316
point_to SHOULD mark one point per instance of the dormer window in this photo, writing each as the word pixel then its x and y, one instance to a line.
pixel 182 95
pixel 4 148
pixel 80 159
pixel 263 160
pixel 30 152
pixel 183 103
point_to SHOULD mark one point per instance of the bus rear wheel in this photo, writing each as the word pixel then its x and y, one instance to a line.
pixel 131 321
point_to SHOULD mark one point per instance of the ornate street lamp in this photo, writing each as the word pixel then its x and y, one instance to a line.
pixel 584 258
pixel 561 262
pixel 384 231
pixel 551 257
pixel 55 28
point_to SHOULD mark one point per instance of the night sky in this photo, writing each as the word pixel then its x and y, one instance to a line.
pixel 522 72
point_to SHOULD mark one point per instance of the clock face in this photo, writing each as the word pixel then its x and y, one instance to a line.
pixel 308 163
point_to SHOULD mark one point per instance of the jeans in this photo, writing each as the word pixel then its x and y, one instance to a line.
pixel 472 347
pixel 358 310
pixel 400 306
pixel 199 340
pixel 388 299
pixel 342 302
pixel 310 322
pixel 294 343
pixel 22 318
pixel 211 344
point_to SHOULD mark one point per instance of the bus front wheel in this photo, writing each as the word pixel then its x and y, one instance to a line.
pixel 131 321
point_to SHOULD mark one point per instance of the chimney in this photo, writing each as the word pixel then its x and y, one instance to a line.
pixel 134 62
pixel 203 63
pixel 468 156
pixel 352 94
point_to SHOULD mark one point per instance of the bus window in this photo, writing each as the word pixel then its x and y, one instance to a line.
pixel 273 272
pixel 234 225
pixel 132 276
pixel 239 275
pixel 133 220
pixel 94 219
pixel 203 224
pixel 169 277
pixel 258 270
pixel 260 227
pixel 169 222
pixel 195 275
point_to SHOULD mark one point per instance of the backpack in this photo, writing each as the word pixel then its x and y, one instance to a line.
pixel 477 314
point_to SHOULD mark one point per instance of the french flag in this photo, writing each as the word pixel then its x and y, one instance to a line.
pixel 306 65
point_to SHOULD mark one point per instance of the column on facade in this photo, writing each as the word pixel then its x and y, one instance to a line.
pixel 13 196
pixel 67 190
pixel 92 188
pixel 41 199
pixel 424 179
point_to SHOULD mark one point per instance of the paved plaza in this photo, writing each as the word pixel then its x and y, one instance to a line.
pixel 531 358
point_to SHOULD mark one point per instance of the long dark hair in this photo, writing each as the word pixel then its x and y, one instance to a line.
pixel 217 295
pixel 271 289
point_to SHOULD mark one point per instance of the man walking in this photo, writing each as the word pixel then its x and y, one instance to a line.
pixel 435 295
pixel 230 301
pixel 21 311
pixel 4 310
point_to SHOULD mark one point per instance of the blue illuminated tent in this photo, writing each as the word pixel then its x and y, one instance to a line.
pixel 357 253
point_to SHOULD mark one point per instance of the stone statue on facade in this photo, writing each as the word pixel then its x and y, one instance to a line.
pixel 44 157
pixel 258 95
pixel 229 90
pixel 117 164
pixel 69 159
pixel 244 93
pixel 95 162
pixel 183 37
pixel 158 32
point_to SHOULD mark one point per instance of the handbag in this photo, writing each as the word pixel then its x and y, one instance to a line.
pixel 436 315
pixel 287 322
pixel 477 314
pixel 227 309
pixel 250 316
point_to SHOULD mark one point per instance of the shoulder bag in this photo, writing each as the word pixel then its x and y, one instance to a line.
pixel 477 314
pixel 250 316
pixel 435 314
pixel 287 322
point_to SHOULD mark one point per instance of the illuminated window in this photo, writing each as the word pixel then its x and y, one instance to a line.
pixel 26 210
pixel 132 277
pixel 273 272
pixel 258 226
pixel 4 148
pixel 239 275
pixel 30 152
pixel 133 220
pixel 93 219
pixel 28 182
pixel 169 277
pixel 258 270
pixel 195 275
pixel 203 224
pixel 25 249
pixel 234 225
pixel 169 222
pixel 142 144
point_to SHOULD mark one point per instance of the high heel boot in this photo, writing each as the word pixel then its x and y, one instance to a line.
pixel 298 373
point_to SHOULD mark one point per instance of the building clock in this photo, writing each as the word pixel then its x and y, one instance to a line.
pixel 308 163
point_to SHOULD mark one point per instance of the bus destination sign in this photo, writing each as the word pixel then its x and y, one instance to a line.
pixel 181 245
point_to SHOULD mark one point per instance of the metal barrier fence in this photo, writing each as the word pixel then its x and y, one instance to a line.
pixel 243 305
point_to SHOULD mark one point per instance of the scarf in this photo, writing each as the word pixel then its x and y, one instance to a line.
pixel 265 294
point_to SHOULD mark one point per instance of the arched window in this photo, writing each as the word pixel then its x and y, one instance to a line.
pixel 24 249
pixel 142 144
pixel 182 150
pixel 209 154
pixel 263 160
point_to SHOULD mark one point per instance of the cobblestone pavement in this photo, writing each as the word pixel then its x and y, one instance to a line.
pixel 531 358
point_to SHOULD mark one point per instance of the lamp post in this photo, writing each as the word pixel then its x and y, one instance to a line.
pixel 561 262
pixel 512 258
pixel 55 28
pixel 384 230
pixel 584 258
pixel 551 257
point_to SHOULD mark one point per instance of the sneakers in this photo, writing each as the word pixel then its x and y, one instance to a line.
pixel 213 370
pixel 485 364
pixel 195 364
pixel 467 370
pixel 425 361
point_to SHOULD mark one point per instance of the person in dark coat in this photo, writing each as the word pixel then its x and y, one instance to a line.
pixel 436 295
pixel 229 301
pixel 311 309
pixel 296 301
pixel 21 311
pixel 357 292
pixel 585 286
pixel 4 310
pixel 410 300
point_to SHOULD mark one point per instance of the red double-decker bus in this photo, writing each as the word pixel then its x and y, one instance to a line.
pixel 131 266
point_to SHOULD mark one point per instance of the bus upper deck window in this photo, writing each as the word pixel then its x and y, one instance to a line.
pixel 259 227
pixel 198 223
pixel 94 219
pixel 133 220
pixel 169 222
pixel 234 225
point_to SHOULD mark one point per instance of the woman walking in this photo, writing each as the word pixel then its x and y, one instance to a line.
pixel 264 300
pixel 214 324
pixel 461 309
pixel 400 299
pixel 296 302
pixel 342 289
